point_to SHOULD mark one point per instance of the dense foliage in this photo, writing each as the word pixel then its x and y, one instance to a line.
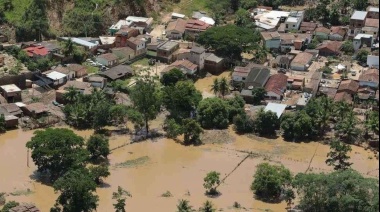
pixel 146 98
pixel 338 155
pixel 76 189
pixel 98 147
pixel 172 77
pixel 88 111
pixel 229 41
pixel 213 113
pixel 266 123
pixel 338 191
pixel 2 123
pixel 56 151
pixel 270 181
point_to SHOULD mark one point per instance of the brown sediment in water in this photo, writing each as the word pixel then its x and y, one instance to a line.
pixel 172 167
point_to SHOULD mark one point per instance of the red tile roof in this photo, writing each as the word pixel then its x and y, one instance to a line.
pixel 186 64
pixel 371 22
pixel 333 46
pixel 178 25
pixel 197 25
pixel 108 56
pixel 38 50
pixel 338 30
pixel 372 75
pixel 277 83
pixel 323 30
pixel 343 96
pixel 241 71
pixel 308 26
pixel 349 85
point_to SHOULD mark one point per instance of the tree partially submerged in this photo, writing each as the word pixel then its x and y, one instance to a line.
pixel 270 181
pixel 338 156
pixel 120 196
pixel 76 189
pixel 55 151
pixel 211 181
pixel 98 147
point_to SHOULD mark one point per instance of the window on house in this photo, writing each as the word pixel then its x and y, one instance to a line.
pixel 287 26
pixel 294 25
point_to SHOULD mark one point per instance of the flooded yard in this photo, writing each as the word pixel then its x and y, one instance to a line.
pixel 150 169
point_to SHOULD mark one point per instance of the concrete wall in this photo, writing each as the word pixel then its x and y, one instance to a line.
pixel 373 61
pixel 19 81
pixel 272 44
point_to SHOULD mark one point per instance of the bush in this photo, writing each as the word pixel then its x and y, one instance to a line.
pixel 243 124
pixel 213 113
pixel 270 181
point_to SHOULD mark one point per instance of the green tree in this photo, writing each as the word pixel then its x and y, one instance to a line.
pixel 297 126
pixel 146 98
pixel 360 4
pixel 120 196
pixel 362 56
pixel 348 47
pixel 270 181
pixel 99 172
pixel 223 87
pixel 371 123
pixel 248 4
pixel 2 123
pixel 211 181
pixel 243 18
pixel 192 131
pixel 289 196
pixel 9 205
pixel 213 113
pixel 235 106
pixel 215 87
pixel 181 100
pixel 184 206
pixel 266 123
pixel 98 146
pixel 258 95
pixel 341 109
pixel 228 41
pixel 338 191
pixel 338 155
pixel 348 129
pixel 172 128
pixel 334 15
pixel 68 47
pixel 243 124
pixel 136 118
pixel 76 189
pixel 172 77
pixel 119 114
pixel 207 207
pixel 56 151
pixel 71 96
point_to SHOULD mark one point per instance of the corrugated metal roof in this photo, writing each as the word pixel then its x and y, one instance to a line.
pixel 81 42
pixel 359 15
pixel 55 75
pixel 276 108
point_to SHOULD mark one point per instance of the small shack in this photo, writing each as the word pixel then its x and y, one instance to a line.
pixel 35 110
pixel 11 92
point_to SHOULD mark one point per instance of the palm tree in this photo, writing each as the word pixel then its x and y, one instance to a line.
pixel 371 123
pixel 68 47
pixel 324 113
pixel 207 207
pixel 71 95
pixel 341 109
pixel 347 128
pixel 223 87
pixel 183 206
pixel 215 87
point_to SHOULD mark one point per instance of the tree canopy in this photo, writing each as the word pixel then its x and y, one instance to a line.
pixel 146 98
pixel 266 123
pixel 211 181
pixel 213 113
pixel 76 189
pixel 172 77
pixel 98 146
pixel 338 155
pixel 56 151
pixel 270 180
pixel 229 40
pixel 338 191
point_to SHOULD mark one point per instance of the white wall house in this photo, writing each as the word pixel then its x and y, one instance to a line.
pixel 361 39
pixel 373 61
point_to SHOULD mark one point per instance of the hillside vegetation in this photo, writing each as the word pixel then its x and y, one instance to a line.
pixel 38 19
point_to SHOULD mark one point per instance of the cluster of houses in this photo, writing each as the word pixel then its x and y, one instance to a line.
pixel 287 35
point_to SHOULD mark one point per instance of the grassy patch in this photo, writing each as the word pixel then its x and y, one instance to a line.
pixel 92 69
pixel 19 6
pixel 139 63
pixel 133 163
pixel 167 194
pixel 187 7
pixel 22 192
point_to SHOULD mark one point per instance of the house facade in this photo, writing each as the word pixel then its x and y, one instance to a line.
pixel 301 62
pixel 369 78
pixel 337 33
pixel 108 59
pixel 176 29
pixel 331 48
pixel 362 39
pixel 276 86
pixel 166 50
pixel 138 45
pixel 272 40
pixel 322 33
pixel 357 22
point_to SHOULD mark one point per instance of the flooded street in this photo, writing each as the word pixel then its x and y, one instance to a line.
pixel 149 169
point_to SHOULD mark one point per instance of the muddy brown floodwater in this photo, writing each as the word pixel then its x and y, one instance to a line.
pixel 149 169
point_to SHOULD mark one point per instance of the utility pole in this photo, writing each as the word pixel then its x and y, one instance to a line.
pixel 27 158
